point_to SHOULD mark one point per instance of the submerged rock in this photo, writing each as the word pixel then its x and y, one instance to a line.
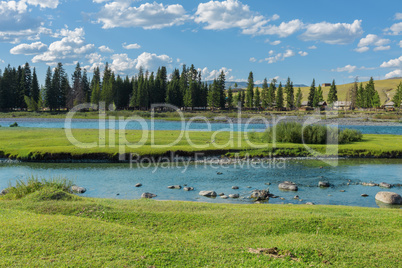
pixel 235 187
pixel 148 195
pixel 78 189
pixel 372 184
pixel 208 193
pixel 389 198
pixel 309 203
pixel 138 185
pixel 364 195
pixel 224 197
pixel 288 186
pixel 221 194
pixel 234 195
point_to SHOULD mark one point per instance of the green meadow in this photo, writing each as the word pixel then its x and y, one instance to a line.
pixel 41 144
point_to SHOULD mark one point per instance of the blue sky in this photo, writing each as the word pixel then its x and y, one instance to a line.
pixel 308 39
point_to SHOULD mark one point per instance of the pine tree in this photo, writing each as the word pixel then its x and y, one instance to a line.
pixel 96 87
pixel 51 97
pixel 230 98
pixel 183 83
pixel 221 90
pixel 298 99
pixel 250 91
pixel 289 94
pixel 311 94
pixel 397 99
pixel 265 94
pixel 369 93
pixel 271 92
pixel 353 92
pixel 76 95
pixel 35 91
pixel 85 87
pixel 376 100
pixel 333 93
pixel 279 97
pixel 257 98
pixel 360 96
pixel 173 95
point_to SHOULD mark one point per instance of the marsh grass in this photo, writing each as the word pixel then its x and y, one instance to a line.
pixel 33 184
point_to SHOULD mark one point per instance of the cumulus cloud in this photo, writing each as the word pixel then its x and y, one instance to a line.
pixel 398 16
pixel 16 23
pixel 372 40
pixel 147 16
pixel 333 33
pixel 395 73
pixel 253 59
pixel 234 14
pixel 348 68
pixel 394 63
pixel 69 49
pixel 151 61
pixel 131 46
pixel 208 75
pixel 105 49
pixel 95 60
pixel 312 47
pixel 280 56
pixel 395 29
pixel 303 53
pixel 275 43
pixel 400 43
pixel 44 3
pixel 29 49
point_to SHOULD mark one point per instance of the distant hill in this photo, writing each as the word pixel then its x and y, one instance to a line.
pixel 244 84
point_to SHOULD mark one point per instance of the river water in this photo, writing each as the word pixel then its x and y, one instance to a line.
pixel 173 125
pixel 118 180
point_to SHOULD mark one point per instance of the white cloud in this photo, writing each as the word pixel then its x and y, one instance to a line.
pixel 253 59
pixel 44 3
pixel 131 46
pixel 380 48
pixel 337 33
pixel 289 53
pixel 279 57
pixel 395 73
pixel 95 60
pixel 147 16
pixel 69 49
pixel 303 53
pixel 105 49
pixel 348 68
pixel 275 43
pixel 29 49
pixel 394 63
pixel 312 47
pixel 362 49
pixel 227 14
pixel 211 75
pixel 275 17
pixel 151 61
pixel 16 23
pixel 400 43
pixel 398 16
pixel 283 30
pixel 122 63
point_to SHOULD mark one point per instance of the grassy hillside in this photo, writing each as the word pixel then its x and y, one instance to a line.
pixel 386 89
pixel 146 233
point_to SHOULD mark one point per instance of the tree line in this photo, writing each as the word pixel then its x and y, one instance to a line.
pixel 20 90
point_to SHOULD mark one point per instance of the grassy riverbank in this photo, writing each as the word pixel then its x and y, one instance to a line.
pixel 148 233
pixel 52 144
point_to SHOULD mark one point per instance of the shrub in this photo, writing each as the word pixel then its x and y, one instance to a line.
pixel 293 132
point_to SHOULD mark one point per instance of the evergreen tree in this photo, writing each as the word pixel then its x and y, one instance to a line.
pixel 85 87
pixel 279 97
pixel 96 87
pixel 35 91
pixel 214 95
pixel 76 95
pixel 360 96
pixel 173 95
pixel 230 98
pixel 353 92
pixel 376 100
pixel 50 98
pixel 265 94
pixel 250 91
pixel 271 93
pixel 289 94
pixel 333 93
pixel 183 83
pixel 298 99
pixel 221 90
pixel 257 98
pixel 397 99
pixel 311 94
pixel 369 93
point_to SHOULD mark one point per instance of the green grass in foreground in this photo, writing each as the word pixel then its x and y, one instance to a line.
pixel 34 144
pixel 142 233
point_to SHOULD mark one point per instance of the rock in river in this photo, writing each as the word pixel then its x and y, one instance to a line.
pixel 234 195
pixel 323 184
pixel 148 195
pixel 385 185
pixel 174 187
pixel 235 187
pixel 78 189
pixel 208 193
pixel 138 185
pixel 288 186
pixel 260 195
pixel 4 192
pixel 188 188
pixel 389 198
